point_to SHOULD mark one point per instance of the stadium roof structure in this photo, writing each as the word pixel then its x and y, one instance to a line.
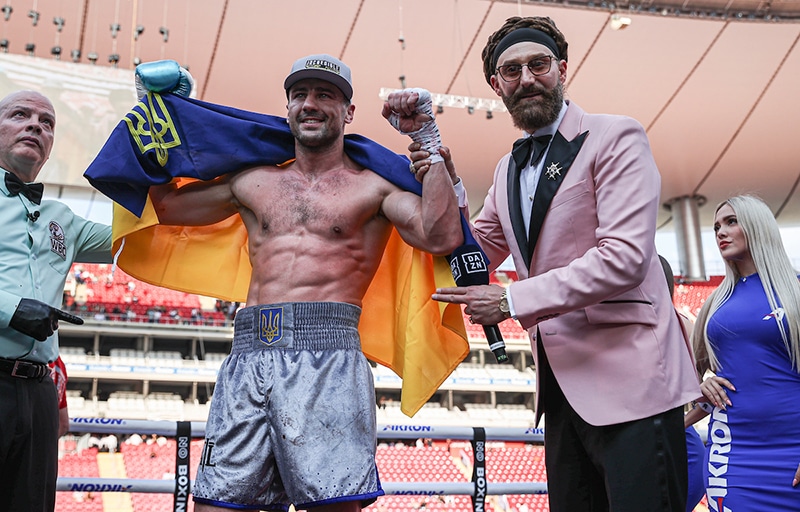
pixel 714 83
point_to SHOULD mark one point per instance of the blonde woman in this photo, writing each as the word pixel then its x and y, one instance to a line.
pixel 748 334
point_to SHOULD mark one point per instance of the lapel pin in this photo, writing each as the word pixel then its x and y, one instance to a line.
pixel 553 171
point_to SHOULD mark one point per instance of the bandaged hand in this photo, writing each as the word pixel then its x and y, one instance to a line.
pixel 39 320
pixel 421 162
pixel 410 112
pixel 163 76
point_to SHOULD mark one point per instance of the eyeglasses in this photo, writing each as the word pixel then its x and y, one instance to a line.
pixel 538 67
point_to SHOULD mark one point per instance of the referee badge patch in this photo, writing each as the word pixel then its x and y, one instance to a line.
pixel 270 325
pixel 58 241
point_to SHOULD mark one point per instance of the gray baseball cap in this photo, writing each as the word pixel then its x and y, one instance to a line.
pixel 322 67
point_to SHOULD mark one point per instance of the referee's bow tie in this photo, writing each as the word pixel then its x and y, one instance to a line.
pixel 32 191
pixel 528 147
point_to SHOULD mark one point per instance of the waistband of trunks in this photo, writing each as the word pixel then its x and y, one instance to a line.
pixel 297 325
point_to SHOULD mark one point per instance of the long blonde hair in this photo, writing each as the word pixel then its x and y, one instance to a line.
pixel 778 278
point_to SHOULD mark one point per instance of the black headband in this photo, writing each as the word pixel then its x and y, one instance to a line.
pixel 520 35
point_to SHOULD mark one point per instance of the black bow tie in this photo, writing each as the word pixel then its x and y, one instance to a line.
pixel 16 186
pixel 527 145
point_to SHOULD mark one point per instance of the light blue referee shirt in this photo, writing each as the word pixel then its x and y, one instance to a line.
pixel 35 259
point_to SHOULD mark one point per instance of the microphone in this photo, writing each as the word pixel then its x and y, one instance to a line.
pixel 469 268
pixel 33 217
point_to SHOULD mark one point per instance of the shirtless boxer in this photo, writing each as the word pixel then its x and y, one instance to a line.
pixel 292 420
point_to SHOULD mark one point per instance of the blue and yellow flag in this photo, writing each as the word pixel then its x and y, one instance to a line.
pixel 167 137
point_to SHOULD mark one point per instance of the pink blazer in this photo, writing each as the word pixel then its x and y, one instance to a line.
pixel 594 287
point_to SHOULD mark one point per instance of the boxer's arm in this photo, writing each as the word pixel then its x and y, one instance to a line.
pixel 420 160
pixel 430 222
pixel 199 203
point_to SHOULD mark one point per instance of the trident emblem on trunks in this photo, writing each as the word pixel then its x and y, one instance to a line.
pixel 270 325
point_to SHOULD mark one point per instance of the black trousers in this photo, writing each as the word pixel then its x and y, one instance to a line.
pixel 627 467
pixel 28 444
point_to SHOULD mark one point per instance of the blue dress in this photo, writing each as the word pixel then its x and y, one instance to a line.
pixel 696 458
pixel 754 445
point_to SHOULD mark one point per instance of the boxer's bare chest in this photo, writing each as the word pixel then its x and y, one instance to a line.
pixel 335 203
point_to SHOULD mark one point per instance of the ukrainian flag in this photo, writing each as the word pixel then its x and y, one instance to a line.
pixel 167 137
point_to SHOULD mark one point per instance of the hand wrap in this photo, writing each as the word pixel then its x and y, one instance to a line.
pixel 163 76
pixel 428 136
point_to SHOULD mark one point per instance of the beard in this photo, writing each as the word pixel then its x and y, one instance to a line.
pixel 530 116
pixel 322 138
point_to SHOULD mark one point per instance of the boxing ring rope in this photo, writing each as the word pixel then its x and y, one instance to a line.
pixel 478 488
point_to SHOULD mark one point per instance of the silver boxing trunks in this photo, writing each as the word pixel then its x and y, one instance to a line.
pixel 292 419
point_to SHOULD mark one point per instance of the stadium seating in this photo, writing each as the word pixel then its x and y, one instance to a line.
pixel 101 289
pixel 423 463
pixel 154 460
pixel 689 297
pixel 81 464
pixel 515 462
pixel 426 461
pixel 109 290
